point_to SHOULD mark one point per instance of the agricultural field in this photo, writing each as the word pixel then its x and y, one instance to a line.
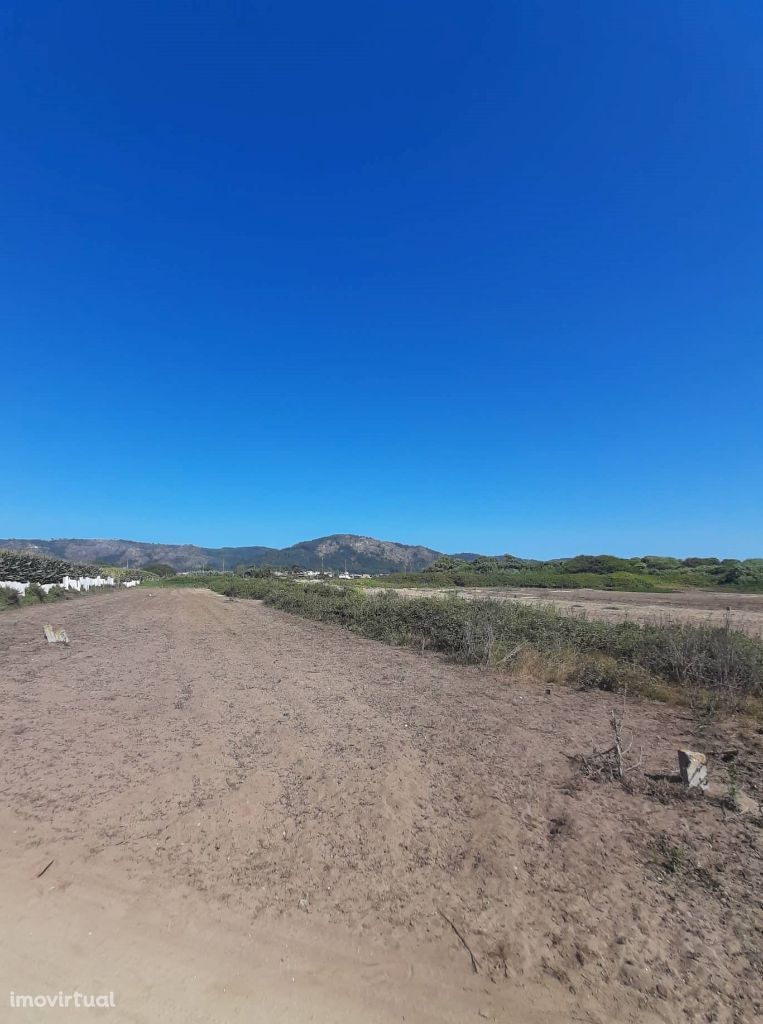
pixel 223 811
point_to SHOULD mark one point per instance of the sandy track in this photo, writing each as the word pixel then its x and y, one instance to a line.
pixel 256 817
pixel 693 606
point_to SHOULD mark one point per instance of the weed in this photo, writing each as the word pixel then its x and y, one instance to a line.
pixel 732 789
pixel 671 857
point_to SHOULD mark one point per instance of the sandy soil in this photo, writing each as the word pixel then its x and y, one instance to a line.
pixel 254 817
pixel 696 606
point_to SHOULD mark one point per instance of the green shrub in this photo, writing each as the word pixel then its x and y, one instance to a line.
pixel 597 672
pixel 9 598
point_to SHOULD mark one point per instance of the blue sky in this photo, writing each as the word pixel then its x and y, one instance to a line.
pixel 482 276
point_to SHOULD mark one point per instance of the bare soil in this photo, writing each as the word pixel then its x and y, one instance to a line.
pixel 692 606
pixel 249 816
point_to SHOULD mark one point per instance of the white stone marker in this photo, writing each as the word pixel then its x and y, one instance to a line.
pixel 693 769
pixel 55 636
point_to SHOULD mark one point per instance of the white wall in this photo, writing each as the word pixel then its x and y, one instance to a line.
pixel 20 588
pixel 68 583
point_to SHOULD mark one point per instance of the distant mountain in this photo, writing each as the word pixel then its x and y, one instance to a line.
pixel 357 554
pixel 122 552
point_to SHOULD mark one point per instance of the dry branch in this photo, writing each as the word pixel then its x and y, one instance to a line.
pixel 462 940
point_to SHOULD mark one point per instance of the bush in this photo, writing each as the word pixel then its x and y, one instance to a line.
pixel 598 672
pixel 9 598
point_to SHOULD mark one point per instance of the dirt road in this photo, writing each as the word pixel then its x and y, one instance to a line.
pixel 248 816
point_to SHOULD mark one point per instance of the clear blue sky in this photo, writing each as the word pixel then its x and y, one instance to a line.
pixel 484 276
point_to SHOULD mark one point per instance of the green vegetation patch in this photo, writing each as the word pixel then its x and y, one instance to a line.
pixel 650 573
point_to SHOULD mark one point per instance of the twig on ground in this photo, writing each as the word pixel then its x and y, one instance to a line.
pixel 44 869
pixel 462 940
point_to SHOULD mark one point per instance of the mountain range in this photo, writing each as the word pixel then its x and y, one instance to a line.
pixel 337 552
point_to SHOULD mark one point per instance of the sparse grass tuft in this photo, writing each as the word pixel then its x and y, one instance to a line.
pixel 671 858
